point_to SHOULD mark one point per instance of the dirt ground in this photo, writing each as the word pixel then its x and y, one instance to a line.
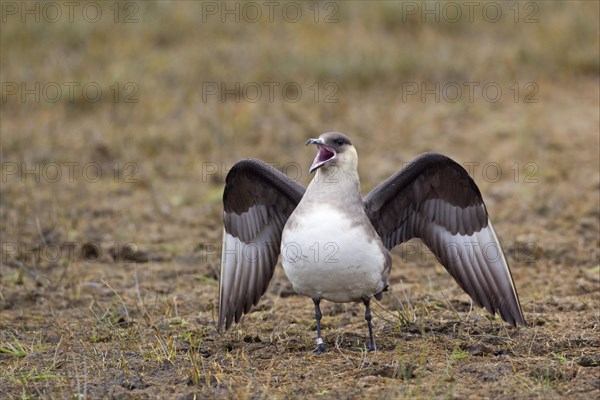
pixel 111 208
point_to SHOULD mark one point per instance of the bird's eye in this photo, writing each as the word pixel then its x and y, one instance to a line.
pixel 339 141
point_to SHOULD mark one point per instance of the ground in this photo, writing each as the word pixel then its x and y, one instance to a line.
pixel 111 205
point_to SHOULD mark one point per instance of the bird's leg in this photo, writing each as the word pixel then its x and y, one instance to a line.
pixel 320 345
pixel 367 301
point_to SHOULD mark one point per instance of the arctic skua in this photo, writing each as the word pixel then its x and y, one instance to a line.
pixel 335 244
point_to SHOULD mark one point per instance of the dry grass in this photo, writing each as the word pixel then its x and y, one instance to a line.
pixel 84 314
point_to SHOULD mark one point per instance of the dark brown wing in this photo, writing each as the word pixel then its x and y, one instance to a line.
pixel 434 199
pixel 257 201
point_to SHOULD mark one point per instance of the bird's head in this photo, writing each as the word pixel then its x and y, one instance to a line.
pixel 335 151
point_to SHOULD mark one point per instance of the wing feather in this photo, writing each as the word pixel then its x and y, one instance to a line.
pixel 257 202
pixel 434 199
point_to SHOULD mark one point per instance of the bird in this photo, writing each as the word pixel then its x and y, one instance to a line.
pixel 335 245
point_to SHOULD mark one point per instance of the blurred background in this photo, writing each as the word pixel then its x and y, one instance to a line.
pixel 167 96
pixel 120 120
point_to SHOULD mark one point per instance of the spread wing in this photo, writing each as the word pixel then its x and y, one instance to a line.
pixel 434 199
pixel 257 201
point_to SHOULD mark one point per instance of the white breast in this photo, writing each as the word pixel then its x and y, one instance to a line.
pixel 324 256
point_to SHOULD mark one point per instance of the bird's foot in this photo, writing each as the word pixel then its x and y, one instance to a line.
pixel 320 349
pixel 371 347
pixel 320 346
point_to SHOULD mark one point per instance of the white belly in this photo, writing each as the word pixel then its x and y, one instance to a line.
pixel 325 257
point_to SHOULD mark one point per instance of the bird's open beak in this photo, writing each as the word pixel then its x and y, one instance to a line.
pixel 324 155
